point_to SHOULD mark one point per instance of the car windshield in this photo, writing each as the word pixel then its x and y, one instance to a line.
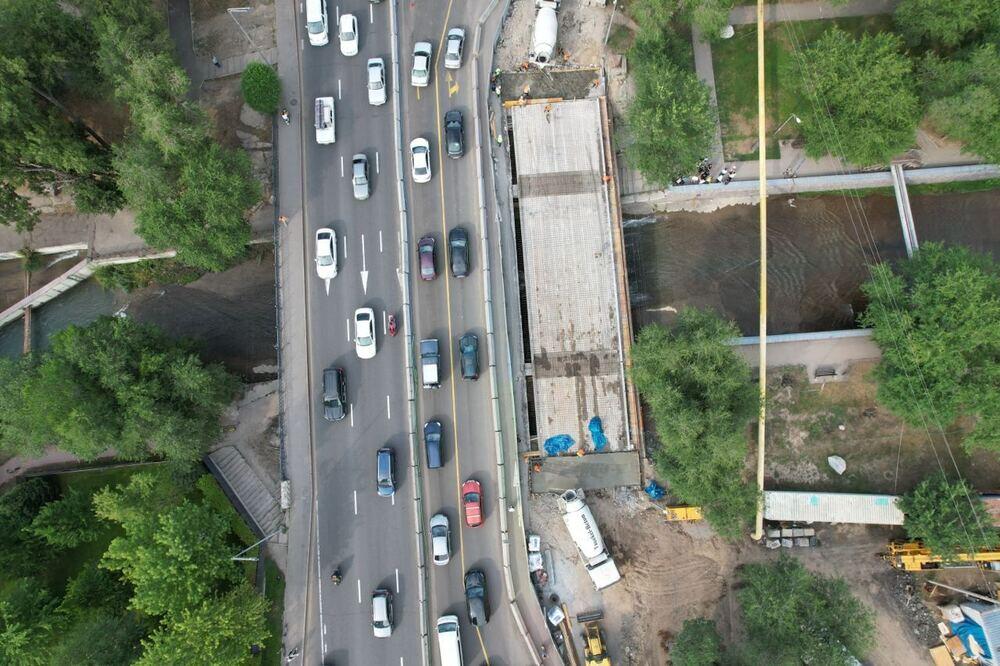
pixel 472 497
pixel 439 530
pixel 314 27
pixel 348 35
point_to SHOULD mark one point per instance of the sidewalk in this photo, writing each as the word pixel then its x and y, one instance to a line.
pixel 810 11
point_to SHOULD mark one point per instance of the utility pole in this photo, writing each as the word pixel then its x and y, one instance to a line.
pixel 758 532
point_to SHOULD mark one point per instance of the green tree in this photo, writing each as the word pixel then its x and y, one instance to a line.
pixel 698 391
pixel 27 623
pixel 709 16
pixel 174 559
pixel 100 639
pixel 671 122
pixel 95 589
pixel 793 616
pixel 948 517
pixel 219 631
pixel 141 274
pixel 24 554
pixel 945 23
pixel 698 644
pixel 863 105
pixel 261 87
pixel 66 522
pixel 936 319
pixel 964 98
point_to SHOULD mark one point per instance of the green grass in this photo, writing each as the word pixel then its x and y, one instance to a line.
pixel 275 593
pixel 735 63
pixel 620 38
pixel 958 186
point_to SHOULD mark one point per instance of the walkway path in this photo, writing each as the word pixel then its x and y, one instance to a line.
pixel 809 11
pixel 706 72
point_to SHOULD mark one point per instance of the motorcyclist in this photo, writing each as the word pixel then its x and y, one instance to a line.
pixel 392 324
pixel 336 577
pixel 284 116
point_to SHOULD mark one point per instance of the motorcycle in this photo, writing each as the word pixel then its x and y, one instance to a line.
pixel 336 577
pixel 392 325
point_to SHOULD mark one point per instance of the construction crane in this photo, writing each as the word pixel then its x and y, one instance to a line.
pixel 912 556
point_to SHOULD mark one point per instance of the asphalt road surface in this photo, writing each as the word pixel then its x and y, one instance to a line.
pixel 369 537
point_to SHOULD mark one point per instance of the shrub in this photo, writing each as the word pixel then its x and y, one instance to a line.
pixel 261 87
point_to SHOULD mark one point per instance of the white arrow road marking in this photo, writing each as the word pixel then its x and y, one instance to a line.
pixel 364 267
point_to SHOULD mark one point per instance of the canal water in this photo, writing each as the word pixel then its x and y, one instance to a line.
pixel 231 314
pixel 819 251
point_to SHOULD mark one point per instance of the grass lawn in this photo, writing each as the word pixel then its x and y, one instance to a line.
pixel 883 455
pixel 275 593
pixel 735 63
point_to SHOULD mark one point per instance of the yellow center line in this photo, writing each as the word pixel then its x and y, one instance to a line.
pixel 447 294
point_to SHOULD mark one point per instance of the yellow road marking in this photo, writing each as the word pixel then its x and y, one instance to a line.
pixel 452 85
pixel 418 94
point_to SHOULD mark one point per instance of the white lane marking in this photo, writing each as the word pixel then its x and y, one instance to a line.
pixel 371 13
pixel 397 581
pixel 355 502
pixel 324 628
pixel 388 409
pixel 376 161
pixel 385 329
pixel 359 590
pixel 338 18
pixel 348 320
pixel 344 238
pixel 341 166
pixel 380 241
pixel 394 499
pixel 400 661
pixel 339 96
pixel 350 406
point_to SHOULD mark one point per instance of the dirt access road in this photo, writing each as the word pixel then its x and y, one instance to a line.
pixel 674 572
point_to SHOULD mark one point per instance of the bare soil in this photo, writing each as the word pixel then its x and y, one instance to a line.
pixel 809 422
pixel 672 572
pixel 215 32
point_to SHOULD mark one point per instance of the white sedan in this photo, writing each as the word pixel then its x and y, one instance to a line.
pixel 364 333
pixel 348 34
pixel 326 254
pixel 420 75
pixel 420 155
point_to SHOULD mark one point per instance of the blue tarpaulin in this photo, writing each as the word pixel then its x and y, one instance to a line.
pixel 597 433
pixel 558 444
pixel 967 629
pixel 655 490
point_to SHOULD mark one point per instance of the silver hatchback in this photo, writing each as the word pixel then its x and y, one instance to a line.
pixel 359 177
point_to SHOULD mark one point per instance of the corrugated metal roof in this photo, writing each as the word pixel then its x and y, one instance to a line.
pixel 832 508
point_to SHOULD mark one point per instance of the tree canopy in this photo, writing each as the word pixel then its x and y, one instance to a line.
pixel 862 92
pixel 936 319
pixel 698 644
pixel 948 517
pixel 946 23
pixel 793 616
pixel 27 616
pixel 963 95
pixel 66 522
pixel 699 392
pixel 23 553
pixel 114 384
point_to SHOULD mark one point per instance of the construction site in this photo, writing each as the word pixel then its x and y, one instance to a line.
pixel 616 572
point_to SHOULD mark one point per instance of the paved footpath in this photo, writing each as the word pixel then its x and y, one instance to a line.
pixel 809 11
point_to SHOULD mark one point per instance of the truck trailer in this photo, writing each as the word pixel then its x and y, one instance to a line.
pixel 583 528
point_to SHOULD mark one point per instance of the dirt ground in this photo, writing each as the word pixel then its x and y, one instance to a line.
pixel 673 572
pixel 215 32
pixel 809 422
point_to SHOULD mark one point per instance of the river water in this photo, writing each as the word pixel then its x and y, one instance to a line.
pixel 819 251
pixel 231 314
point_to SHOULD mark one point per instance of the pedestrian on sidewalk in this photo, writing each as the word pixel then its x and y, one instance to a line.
pixel 283 220
pixel 215 61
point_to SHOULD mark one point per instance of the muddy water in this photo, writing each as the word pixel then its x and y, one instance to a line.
pixel 818 253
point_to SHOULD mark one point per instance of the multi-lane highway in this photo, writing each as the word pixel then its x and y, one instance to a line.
pixel 371 538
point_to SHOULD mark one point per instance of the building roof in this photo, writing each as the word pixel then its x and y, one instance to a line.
pixel 806 507
pixel 569 271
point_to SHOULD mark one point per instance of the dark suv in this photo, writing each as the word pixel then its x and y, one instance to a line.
pixel 453 134
pixel 334 394
pixel 468 349
pixel 458 248
pixel 432 442
pixel 476 599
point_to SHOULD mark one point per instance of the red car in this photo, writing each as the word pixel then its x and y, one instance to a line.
pixel 472 498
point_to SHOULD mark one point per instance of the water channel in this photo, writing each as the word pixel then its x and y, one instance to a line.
pixel 819 251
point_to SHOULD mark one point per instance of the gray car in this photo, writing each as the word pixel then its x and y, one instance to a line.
pixel 334 394
pixel 468 350
pixel 385 472
pixel 432 443
pixel 359 176
pixel 476 599
pixel 453 138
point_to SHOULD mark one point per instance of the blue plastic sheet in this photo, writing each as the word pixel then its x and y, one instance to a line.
pixel 597 433
pixel 655 490
pixel 558 444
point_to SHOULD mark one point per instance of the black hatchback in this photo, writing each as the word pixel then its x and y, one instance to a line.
pixel 453 134
pixel 468 350
pixel 458 249
pixel 476 599
pixel 334 394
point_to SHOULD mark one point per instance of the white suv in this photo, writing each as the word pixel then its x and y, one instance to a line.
pixel 376 81
pixel 326 130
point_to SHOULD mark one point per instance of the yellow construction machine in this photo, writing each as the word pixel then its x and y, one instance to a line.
pixel 912 556
pixel 682 513
pixel 595 651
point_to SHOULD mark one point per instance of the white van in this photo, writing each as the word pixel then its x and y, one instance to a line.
pixel 316 23
pixel 449 640
pixel 326 130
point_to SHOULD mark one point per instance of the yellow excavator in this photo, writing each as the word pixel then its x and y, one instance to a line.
pixel 595 650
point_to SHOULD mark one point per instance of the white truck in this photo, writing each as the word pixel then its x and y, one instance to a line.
pixel 430 358
pixel 583 528
pixel 543 43
pixel 326 130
